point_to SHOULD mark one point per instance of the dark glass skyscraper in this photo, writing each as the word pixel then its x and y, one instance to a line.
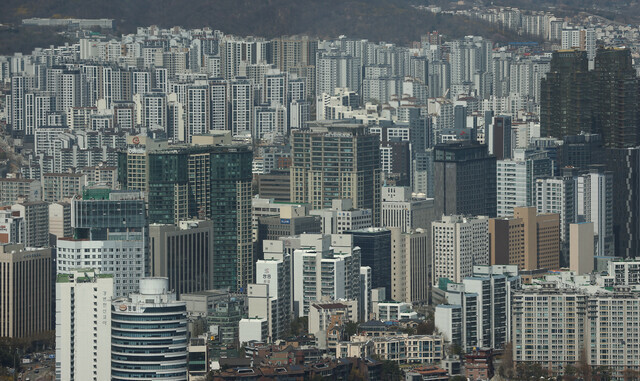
pixel 375 252
pixel 207 182
pixel 616 98
pixel 566 104
pixel 465 179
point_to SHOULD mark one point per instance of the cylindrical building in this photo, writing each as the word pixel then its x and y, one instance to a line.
pixel 149 334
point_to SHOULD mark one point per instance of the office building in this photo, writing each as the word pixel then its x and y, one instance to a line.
pixel 624 163
pixel 465 179
pixel 206 181
pixel 527 239
pixel 411 263
pixel 183 254
pixel 136 324
pixel 225 313
pixel 109 235
pixel 458 244
pixel 342 217
pixel 401 210
pixel 375 252
pixel 253 329
pixel 336 161
pixel 580 151
pixel 83 325
pixel 498 137
pixel 275 185
pixel 25 291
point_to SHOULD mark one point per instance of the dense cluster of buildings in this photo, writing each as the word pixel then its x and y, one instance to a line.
pixel 185 203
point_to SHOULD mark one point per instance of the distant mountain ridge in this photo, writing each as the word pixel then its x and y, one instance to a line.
pixel 376 20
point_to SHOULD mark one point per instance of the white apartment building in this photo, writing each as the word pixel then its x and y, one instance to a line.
pixel 83 326
pixel 122 258
pixel 270 296
pixel 328 271
pixel 459 243
pixel 516 179
pixel 554 322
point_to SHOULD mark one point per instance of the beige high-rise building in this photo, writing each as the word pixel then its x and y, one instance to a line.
pixel 410 266
pixel 527 239
pixel 25 291
pixel 458 244
pixel 581 247
pixel 60 219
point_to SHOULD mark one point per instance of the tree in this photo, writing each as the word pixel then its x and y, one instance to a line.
pixel 458 378
pixel 455 350
pixel 298 326
pixel 351 328
pixel 526 371
pixel 390 371
pixel 629 374
pixel 507 366
pixel 583 367
pixel 570 372
pixel 426 327
pixel 356 374
pixel 602 373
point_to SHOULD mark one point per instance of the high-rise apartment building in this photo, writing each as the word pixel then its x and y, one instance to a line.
pixel 595 204
pixel 11 190
pixel 559 195
pixel 25 291
pixel 526 239
pixel 58 186
pixel 458 244
pixel 36 222
pixel 270 296
pixel 336 161
pixel 516 179
pixel 83 325
pixel 328 267
pixel 465 179
pixel 481 305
